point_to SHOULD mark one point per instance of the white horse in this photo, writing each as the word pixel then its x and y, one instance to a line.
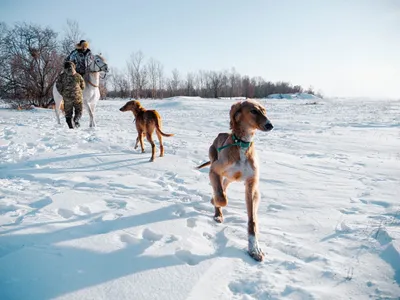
pixel 91 93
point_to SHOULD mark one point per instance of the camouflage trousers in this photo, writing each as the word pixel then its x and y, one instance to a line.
pixel 71 106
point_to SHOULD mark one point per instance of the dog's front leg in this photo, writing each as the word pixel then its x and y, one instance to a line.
pixel 219 199
pixel 252 201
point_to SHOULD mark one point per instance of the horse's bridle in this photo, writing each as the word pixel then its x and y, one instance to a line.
pixel 100 70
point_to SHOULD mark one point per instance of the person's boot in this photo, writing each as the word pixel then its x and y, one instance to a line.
pixel 76 122
pixel 69 122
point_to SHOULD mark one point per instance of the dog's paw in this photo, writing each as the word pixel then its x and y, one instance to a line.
pixel 219 219
pixel 257 254
pixel 254 249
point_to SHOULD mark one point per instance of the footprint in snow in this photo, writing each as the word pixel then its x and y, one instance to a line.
pixel 172 238
pixel 187 257
pixel 129 239
pixel 116 204
pixel 151 235
pixel 207 235
pixel 65 213
pixel 83 209
pixel 191 222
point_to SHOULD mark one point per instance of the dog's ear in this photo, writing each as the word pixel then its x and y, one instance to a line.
pixel 234 114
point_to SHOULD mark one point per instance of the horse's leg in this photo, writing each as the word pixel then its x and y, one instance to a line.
pixel 89 109
pixel 93 108
pixel 57 110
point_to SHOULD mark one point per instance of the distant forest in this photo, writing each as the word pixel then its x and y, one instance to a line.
pixel 31 57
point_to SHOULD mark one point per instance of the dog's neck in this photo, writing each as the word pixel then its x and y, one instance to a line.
pixel 136 111
pixel 246 135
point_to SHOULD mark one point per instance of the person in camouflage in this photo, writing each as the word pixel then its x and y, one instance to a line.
pixel 70 85
pixel 81 57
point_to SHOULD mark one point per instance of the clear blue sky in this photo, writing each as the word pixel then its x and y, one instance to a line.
pixel 342 47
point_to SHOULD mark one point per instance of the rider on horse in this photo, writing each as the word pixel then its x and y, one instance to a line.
pixel 81 57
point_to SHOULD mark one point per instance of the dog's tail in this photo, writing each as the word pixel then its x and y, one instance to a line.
pixel 158 127
pixel 204 165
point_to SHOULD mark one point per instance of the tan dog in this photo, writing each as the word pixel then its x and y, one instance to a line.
pixel 146 122
pixel 233 158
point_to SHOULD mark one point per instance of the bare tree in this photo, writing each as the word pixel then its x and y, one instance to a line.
pixel 189 84
pixel 72 35
pixel 248 88
pixel 216 82
pixel 153 78
pixel 160 78
pixel 175 82
pixel 120 83
pixel 200 83
pixel 30 62
pixel 137 73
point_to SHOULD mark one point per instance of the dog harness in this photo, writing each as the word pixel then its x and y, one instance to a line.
pixel 236 142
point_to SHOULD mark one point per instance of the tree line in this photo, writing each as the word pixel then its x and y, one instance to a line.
pixel 146 79
pixel 32 56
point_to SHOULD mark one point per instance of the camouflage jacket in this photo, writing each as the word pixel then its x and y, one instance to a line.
pixel 70 86
pixel 81 59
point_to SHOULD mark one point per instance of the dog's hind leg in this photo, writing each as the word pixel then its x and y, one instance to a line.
pixel 161 143
pixel 153 146
pixel 252 200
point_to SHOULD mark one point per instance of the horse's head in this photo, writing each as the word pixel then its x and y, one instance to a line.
pixel 98 64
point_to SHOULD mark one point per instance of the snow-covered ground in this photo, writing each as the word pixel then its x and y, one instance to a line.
pixel 84 216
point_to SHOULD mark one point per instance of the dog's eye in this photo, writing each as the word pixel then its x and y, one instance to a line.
pixel 254 112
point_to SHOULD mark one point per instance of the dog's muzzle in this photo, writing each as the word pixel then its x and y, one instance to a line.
pixel 268 126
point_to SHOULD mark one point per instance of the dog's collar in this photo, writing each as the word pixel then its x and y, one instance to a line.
pixel 236 142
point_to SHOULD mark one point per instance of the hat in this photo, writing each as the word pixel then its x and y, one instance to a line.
pixel 82 44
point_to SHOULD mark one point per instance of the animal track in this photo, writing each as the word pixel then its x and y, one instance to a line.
pixel 129 239
pixel 83 209
pixel 187 257
pixel 172 238
pixel 65 213
pixel 191 222
pixel 151 235
pixel 207 235
pixel 180 212
pixel 116 204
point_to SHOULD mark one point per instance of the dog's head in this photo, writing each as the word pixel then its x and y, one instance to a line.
pixel 132 105
pixel 249 114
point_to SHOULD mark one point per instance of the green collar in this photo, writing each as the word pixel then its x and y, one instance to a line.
pixel 236 142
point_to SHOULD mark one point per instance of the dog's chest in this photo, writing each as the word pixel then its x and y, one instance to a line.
pixel 240 170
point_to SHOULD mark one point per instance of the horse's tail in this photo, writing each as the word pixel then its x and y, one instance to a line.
pixel 158 126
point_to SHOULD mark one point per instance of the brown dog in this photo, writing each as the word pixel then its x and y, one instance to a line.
pixel 146 122
pixel 233 158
